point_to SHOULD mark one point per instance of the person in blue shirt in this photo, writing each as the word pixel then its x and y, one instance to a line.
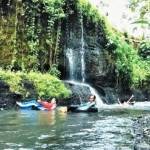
pixel 89 104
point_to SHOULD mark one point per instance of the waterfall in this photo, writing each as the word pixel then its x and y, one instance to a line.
pixel 74 64
pixel 69 55
pixel 82 52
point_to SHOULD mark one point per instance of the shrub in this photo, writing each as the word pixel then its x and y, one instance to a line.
pixel 46 85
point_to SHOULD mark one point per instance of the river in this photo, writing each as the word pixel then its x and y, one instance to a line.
pixel 106 130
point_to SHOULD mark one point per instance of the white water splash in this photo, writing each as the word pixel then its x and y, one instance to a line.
pixel 82 52
pixel 69 54
pixel 99 102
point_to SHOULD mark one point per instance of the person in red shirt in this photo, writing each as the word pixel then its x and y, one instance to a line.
pixel 48 105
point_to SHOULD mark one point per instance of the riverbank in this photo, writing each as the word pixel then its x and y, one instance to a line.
pixel 79 94
pixel 19 86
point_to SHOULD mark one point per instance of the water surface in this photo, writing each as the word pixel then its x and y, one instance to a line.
pixel 106 130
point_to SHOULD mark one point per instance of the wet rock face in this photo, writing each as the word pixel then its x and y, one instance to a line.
pixel 99 68
pixel 78 33
pixel 30 88
pixel 3 86
pixel 8 99
pixel 80 94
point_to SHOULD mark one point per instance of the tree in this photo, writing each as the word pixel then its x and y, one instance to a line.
pixel 143 17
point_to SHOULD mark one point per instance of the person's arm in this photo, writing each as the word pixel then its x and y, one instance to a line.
pixel 119 101
pixel 130 98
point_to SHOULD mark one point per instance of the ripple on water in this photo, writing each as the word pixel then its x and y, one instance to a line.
pixel 77 131
pixel 14 145
pixel 26 148
pixel 44 136
pixel 73 125
pixel 44 146
pixel 89 130
pixel 78 134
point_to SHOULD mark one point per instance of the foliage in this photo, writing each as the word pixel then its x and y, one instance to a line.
pixel 129 62
pixel 54 71
pixel 130 67
pixel 13 80
pixel 144 49
pixel 91 12
pixel 142 18
pixel 29 29
pixel 143 7
pixel 30 35
pixel 42 35
pixel 46 85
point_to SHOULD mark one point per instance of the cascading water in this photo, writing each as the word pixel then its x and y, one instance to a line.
pixel 73 68
pixel 82 52
pixel 69 55
pixel 99 101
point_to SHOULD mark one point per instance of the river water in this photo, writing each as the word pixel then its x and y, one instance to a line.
pixel 106 130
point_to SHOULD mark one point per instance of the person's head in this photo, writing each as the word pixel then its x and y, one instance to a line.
pixel 39 100
pixel 92 98
pixel 53 100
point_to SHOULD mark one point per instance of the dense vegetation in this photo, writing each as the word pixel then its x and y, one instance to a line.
pixel 46 85
pixel 132 62
pixel 30 33
pixel 29 41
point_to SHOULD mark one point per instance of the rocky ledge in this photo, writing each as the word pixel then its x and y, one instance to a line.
pixel 7 98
